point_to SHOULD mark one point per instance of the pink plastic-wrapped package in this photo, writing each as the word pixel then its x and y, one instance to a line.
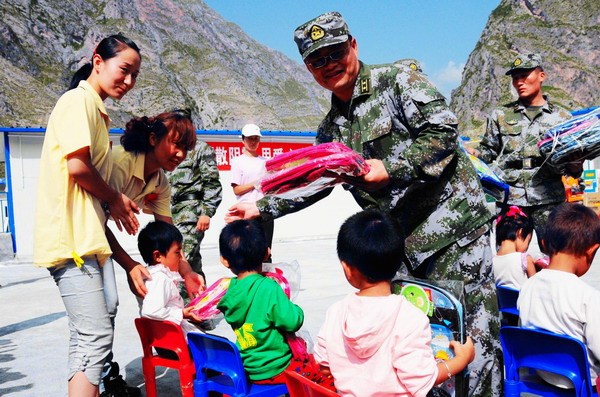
pixel 205 305
pixel 303 172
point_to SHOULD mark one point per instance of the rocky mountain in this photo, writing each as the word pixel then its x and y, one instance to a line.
pixel 191 58
pixel 565 33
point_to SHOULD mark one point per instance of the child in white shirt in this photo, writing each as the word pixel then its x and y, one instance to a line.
pixel 556 299
pixel 160 246
pixel 512 265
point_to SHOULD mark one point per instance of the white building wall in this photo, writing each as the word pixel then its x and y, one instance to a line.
pixel 321 220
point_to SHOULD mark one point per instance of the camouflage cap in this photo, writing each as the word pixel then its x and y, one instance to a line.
pixel 325 30
pixel 525 61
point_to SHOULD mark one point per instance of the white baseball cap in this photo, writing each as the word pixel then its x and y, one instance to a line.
pixel 251 130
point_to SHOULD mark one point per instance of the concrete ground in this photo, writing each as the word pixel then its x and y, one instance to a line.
pixel 34 332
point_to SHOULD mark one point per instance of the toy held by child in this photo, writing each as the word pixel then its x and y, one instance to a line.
pixel 374 342
pixel 556 299
pixel 160 246
pixel 258 310
pixel 512 265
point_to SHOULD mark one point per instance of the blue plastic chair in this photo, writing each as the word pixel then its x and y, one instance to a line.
pixel 507 300
pixel 223 356
pixel 539 349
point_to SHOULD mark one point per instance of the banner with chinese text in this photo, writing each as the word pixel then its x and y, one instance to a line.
pixel 226 151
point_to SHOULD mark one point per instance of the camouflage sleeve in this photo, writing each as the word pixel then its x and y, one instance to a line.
pixel 209 183
pixel 489 147
pixel 424 112
pixel 277 207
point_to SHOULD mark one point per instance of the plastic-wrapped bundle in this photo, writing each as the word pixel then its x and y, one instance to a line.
pixel 490 181
pixel 580 136
pixel 306 171
pixel 205 305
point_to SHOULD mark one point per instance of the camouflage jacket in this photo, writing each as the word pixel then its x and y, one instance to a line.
pixel 396 115
pixel 197 174
pixel 510 137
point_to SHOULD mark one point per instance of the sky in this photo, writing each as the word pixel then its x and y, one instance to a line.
pixel 440 34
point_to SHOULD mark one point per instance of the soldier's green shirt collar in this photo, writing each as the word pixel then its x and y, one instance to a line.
pixel 547 107
pixel 363 81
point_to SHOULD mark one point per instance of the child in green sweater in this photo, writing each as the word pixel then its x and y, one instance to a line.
pixel 257 308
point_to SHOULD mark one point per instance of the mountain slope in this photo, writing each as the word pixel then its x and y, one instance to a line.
pixel 565 33
pixel 191 58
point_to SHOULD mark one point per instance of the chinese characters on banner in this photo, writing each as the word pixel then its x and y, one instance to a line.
pixel 227 151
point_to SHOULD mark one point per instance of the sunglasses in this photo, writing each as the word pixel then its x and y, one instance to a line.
pixel 334 56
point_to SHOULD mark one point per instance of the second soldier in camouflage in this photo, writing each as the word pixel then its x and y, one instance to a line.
pixel 196 193
pixel 510 143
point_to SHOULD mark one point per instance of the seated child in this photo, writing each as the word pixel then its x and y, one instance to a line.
pixel 160 246
pixel 257 308
pixel 374 342
pixel 555 299
pixel 512 265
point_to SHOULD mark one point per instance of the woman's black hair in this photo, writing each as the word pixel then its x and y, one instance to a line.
pixel 509 223
pixel 136 137
pixel 108 48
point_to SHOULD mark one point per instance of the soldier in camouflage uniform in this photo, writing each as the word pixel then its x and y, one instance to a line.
pixel 400 123
pixel 511 138
pixel 196 194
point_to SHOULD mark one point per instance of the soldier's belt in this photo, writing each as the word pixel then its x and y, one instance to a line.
pixel 189 196
pixel 525 163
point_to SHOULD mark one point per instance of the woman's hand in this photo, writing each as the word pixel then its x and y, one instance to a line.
pixel 123 210
pixel 136 277
pixel 194 284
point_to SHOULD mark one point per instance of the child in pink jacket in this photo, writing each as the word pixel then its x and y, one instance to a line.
pixel 376 343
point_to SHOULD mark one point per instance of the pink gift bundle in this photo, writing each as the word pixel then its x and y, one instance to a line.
pixel 205 305
pixel 306 171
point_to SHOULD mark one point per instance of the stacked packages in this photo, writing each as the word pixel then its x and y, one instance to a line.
pixel 576 139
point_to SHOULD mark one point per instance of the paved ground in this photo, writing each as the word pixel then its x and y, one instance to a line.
pixel 34 332
pixel 33 323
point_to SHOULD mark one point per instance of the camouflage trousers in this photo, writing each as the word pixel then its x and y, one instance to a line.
pixel 192 239
pixel 472 264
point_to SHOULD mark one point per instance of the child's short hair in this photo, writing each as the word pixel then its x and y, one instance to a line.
pixel 373 243
pixel 242 243
pixel 509 222
pixel 157 236
pixel 572 229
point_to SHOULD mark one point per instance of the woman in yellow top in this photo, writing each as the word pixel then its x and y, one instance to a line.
pixel 73 191
pixel 149 146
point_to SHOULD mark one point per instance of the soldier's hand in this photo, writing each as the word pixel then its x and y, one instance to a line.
pixel 243 210
pixel 136 277
pixel 203 223
pixel 375 179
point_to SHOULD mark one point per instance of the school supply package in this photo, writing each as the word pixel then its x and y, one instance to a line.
pixel 304 172
pixel 575 139
pixel 441 302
